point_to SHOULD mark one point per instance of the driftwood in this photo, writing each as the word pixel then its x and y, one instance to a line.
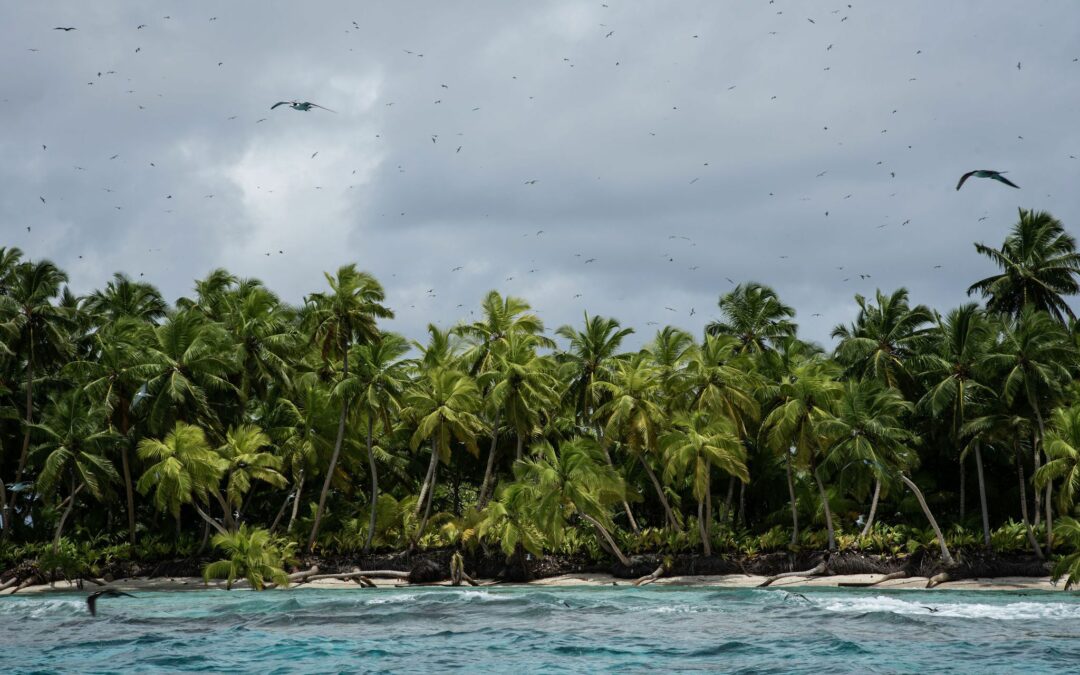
pixel 368 574
pixel 867 584
pixel 821 569
pixel 29 581
pixel 9 583
pixel 938 579
pixel 649 578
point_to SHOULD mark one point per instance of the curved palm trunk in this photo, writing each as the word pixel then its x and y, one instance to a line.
pixel 963 488
pixel 1036 448
pixel 213 523
pixel 433 473
pixel 873 508
pixel 660 493
pixel 1049 517
pixel 982 496
pixel 374 486
pixel 828 511
pixel 945 555
pixel 296 501
pixel 708 515
pixel 428 478
pixel 280 512
pixel 1024 509
pixel 70 501
pixel 791 494
pixel 625 504
pixel 333 458
pixel 608 538
pixel 487 486
pixel 29 419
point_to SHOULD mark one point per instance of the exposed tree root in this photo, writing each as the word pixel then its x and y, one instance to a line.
pixel 938 579
pixel 649 578
pixel 866 584
pixel 819 570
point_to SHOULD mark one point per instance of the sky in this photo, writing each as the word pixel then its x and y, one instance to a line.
pixel 628 158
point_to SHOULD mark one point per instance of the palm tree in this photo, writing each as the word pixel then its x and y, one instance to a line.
pixel 40 330
pixel 802 398
pixel 670 351
pixel 954 375
pixel 247 461
pixel 443 406
pixel 344 317
pixel 698 442
pixel 377 385
pixel 1032 362
pixel 1062 448
pixel 884 339
pixel 503 317
pixel 633 417
pixel 753 313
pixel 264 331
pixel 252 555
pixel 123 298
pixel 186 471
pixel 76 443
pixel 573 483
pixel 589 359
pixel 1038 263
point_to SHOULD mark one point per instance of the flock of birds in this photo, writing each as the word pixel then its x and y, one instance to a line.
pixel 678 245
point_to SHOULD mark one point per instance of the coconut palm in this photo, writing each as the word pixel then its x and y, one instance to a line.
pixel 953 372
pixel 345 316
pixel 633 417
pixel 753 313
pixel 123 298
pixel 884 339
pixel 243 449
pixel 265 334
pixel 502 318
pixel 377 385
pixel 185 471
pixel 800 399
pixel 76 442
pixel 253 555
pixel 1038 263
pixel 38 328
pixel 443 405
pixel 698 442
pixel 1063 456
pixel 588 359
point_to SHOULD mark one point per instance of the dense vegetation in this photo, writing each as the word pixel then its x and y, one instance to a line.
pixel 141 428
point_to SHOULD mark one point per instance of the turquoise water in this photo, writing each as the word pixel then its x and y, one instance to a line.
pixel 515 629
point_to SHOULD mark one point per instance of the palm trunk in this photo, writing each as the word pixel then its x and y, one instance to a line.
pixel 213 523
pixel 226 510
pixel 428 478
pixel 1037 450
pixel 828 511
pixel 374 486
pixel 67 512
pixel 296 500
pixel 726 517
pixel 520 444
pixel 1024 509
pixel 626 504
pixel 963 486
pixel 5 512
pixel 791 495
pixel 708 515
pixel 1049 517
pixel 610 541
pixel 982 496
pixel 487 487
pixel 660 493
pixel 873 509
pixel 945 555
pixel 29 419
pixel 740 517
pixel 125 463
pixel 280 513
pixel 433 470
pixel 333 458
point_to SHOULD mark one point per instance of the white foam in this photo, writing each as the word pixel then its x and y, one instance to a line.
pixel 34 608
pixel 1011 611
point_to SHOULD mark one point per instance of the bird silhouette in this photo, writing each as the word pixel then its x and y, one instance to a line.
pixel 302 106
pixel 91 600
pixel 986 173
pixel 65 28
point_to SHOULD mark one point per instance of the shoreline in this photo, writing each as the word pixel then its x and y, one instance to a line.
pixel 732 581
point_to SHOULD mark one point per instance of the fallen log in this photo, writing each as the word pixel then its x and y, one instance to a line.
pixel 370 574
pixel 649 578
pixel 938 579
pixel 26 582
pixel 867 584
pixel 300 576
pixel 9 583
pixel 819 570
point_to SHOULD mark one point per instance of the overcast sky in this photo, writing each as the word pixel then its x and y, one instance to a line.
pixel 679 144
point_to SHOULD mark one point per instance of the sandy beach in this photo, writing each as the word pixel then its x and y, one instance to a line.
pixel 579 580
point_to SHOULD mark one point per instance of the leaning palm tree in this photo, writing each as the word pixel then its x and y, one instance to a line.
pixel 185 471
pixel 753 313
pixel 697 443
pixel 1039 264
pixel 954 373
pixel 76 441
pixel 345 316
pixel 443 405
pixel 633 417
pixel 377 385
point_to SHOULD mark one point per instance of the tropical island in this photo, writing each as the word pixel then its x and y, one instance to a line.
pixel 233 435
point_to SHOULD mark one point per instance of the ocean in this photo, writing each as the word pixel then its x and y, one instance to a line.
pixel 550 630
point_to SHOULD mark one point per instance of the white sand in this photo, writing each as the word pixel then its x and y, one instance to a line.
pixel 720 581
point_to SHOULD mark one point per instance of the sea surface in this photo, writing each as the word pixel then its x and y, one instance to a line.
pixel 557 630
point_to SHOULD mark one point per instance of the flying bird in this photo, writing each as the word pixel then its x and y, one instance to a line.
pixel 91 600
pixel 65 28
pixel 987 173
pixel 302 106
